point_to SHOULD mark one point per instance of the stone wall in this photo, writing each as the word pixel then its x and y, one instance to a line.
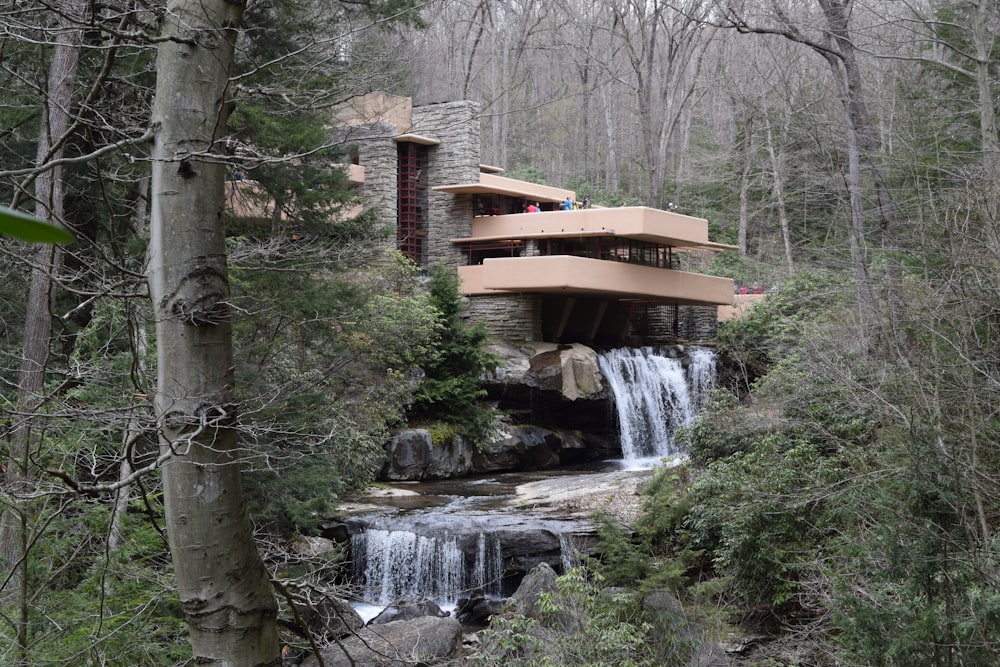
pixel 698 323
pixel 513 318
pixel 454 160
pixel 655 325
pixel 377 153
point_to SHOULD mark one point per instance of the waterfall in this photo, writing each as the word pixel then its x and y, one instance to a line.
pixel 654 395
pixel 488 570
pixel 701 372
pixel 568 552
pixel 399 564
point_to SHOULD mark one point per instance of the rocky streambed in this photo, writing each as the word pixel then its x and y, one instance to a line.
pixel 416 539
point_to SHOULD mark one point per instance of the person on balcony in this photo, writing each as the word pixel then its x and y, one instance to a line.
pixel 567 205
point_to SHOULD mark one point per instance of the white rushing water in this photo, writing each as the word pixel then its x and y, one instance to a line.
pixel 654 395
pixel 398 564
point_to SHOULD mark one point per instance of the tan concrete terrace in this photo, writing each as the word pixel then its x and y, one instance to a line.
pixel 627 253
pixel 585 277
pixel 634 222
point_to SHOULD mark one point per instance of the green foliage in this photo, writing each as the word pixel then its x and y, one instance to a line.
pixel 599 196
pixel 529 174
pixel 578 624
pixel 621 560
pixel 27 228
pixel 771 329
pixel 451 389
pixel 441 433
pixel 327 363
pixel 760 515
pixel 90 605
pixel 715 433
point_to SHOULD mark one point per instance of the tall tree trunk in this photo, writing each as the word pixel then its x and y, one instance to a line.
pixel 778 186
pixel 14 523
pixel 611 180
pixel 863 138
pixel 135 428
pixel 225 591
pixel 744 221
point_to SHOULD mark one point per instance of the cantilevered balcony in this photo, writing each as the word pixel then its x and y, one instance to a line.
pixel 584 277
pixel 621 254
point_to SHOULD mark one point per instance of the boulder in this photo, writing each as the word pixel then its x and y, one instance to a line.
pixel 412 455
pixel 477 609
pixel 423 640
pixel 519 448
pixel 314 547
pixel 331 618
pixel 407 610
pixel 541 579
pixel 571 371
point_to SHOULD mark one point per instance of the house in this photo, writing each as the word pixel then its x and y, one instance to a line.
pixel 600 276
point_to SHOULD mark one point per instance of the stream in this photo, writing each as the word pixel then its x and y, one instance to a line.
pixel 477 536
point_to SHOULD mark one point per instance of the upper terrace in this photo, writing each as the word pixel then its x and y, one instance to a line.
pixel 627 253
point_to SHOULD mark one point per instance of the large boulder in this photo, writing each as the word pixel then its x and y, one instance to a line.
pixel 412 455
pixel 519 448
pixel 406 610
pixel 572 371
pixel 423 640
pixel 329 618
pixel 524 601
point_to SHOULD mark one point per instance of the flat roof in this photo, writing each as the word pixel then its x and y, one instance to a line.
pixel 640 223
pixel 491 184
pixel 415 139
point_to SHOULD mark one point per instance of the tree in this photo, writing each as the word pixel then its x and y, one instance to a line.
pixel 225 590
pixel 49 205
pixel 451 388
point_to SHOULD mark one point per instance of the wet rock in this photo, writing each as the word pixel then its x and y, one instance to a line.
pixel 408 610
pixel 519 448
pixel 330 617
pixel 427 639
pixel 412 455
pixel 524 601
pixel 477 609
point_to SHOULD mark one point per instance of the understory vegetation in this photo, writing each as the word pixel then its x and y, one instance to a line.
pixel 841 500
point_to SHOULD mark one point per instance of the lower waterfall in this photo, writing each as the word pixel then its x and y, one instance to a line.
pixel 395 565
pixel 654 395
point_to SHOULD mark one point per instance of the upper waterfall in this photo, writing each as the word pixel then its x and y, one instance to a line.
pixel 654 395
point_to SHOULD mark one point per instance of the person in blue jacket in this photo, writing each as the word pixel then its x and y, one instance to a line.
pixel 567 205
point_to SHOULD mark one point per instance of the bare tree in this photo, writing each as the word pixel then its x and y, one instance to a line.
pixel 664 47
pixel 48 189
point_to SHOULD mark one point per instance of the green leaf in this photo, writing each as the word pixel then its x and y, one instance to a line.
pixel 23 226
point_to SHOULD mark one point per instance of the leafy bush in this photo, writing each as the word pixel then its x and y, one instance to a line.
pixel 772 328
pixel 326 370
pixel 89 604
pixel 579 624
pixel 451 389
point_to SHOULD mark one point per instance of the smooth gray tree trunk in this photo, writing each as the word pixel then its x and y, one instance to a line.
pixel 225 591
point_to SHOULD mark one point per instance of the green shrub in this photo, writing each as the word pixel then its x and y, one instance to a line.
pixel 579 624
pixel 451 389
